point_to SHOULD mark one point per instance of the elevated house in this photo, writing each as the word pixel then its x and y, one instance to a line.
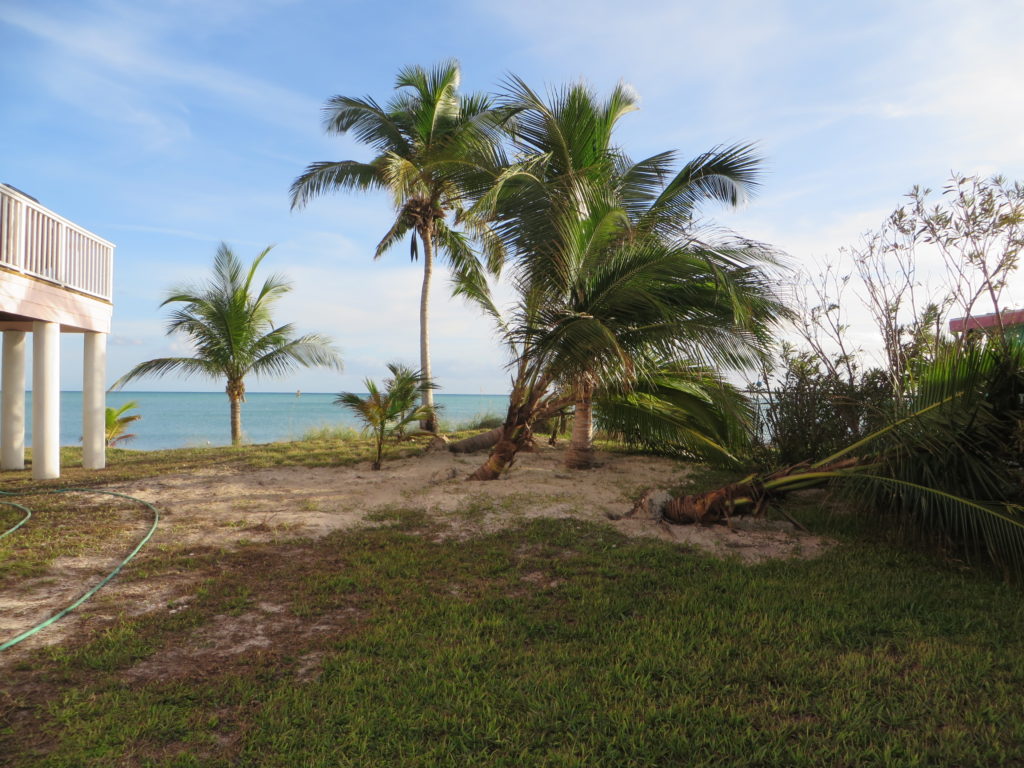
pixel 55 278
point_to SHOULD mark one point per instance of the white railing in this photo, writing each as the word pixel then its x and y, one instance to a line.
pixel 36 241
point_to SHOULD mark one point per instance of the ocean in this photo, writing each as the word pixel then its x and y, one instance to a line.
pixel 189 419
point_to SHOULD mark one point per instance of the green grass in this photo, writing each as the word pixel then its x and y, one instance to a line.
pixel 556 643
pixel 479 422
pixel 330 432
pixel 329 449
pixel 62 529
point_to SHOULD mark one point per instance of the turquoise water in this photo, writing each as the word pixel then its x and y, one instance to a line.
pixel 188 419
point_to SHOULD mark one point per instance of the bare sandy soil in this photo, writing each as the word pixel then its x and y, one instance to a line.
pixel 220 507
pixel 223 507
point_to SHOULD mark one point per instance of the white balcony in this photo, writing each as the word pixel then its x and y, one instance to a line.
pixel 37 242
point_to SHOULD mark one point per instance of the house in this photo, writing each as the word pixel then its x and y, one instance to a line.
pixel 1012 322
pixel 55 278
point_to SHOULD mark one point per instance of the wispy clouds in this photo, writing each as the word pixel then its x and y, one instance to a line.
pixel 122 63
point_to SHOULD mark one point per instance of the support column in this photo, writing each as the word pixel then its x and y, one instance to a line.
pixel 94 385
pixel 45 400
pixel 12 409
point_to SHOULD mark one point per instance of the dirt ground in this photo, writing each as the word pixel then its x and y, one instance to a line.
pixel 220 507
pixel 224 507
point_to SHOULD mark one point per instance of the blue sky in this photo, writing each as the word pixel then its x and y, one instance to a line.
pixel 170 125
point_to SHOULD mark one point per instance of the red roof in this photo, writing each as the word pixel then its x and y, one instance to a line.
pixel 978 322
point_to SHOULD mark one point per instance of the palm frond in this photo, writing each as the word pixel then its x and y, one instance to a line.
pixel 680 408
pixel 728 175
pixel 322 177
pixel 401 227
pixel 368 121
pixel 186 366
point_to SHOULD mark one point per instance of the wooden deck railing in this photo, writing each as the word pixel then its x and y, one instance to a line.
pixel 36 241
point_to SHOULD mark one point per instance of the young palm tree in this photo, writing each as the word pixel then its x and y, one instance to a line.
pixel 228 322
pixel 611 277
pixel 424 139
pixel 117 421
pixel 389 412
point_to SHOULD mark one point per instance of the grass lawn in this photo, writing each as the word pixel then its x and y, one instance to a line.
pixel 555 643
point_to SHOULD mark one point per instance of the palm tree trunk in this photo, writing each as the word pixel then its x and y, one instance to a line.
pixel 751 495
pixel 430 423
pixel 236 420
pixel 513 437
pixel 581 449
pixel 477 442
pixel 379 436
pixel 516 432
pixel 236 394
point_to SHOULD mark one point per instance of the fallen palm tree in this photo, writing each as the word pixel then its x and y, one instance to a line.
pixel 947 467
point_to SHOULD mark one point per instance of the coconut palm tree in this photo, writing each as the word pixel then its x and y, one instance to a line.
pixel 612 277
pixel 117 421
pixel 227 320
pixel 424 138
pixel 628 312
pixel 389 412
pixel 946 467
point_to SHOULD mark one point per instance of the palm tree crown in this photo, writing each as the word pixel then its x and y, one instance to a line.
pixel 228 322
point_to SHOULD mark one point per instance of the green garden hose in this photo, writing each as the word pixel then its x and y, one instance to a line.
pixel 56 617
pixel 26 510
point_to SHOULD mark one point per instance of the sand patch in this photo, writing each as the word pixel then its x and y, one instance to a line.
pixel 221 507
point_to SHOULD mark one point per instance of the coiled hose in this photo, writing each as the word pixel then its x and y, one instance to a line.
pixel 28 513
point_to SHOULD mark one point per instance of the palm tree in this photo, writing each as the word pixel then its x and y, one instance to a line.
pixel 612 278
pixel 117 421
pixel 228 322
pixel 946 467
pixel 424 138
pixel 389 412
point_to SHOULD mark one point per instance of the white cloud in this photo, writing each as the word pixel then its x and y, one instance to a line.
pixel 373 315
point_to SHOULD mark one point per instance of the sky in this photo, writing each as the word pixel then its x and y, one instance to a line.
pixel 170 126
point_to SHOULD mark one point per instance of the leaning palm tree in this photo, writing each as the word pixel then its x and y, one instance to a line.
pixel 227 320
pixel 424 139
pixel 612 277
pixel 632 309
